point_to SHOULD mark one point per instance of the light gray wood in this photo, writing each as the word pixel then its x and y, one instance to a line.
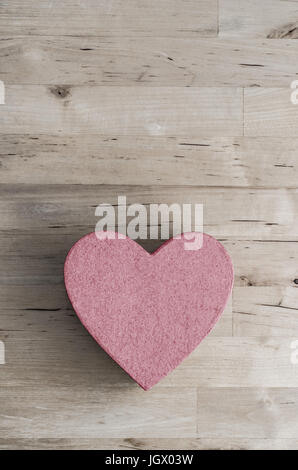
pixel 134 18
pixel 277 264
pixel 39 259
pixel 162 101
pixel 43 263
pixel 122 111
pixel 92 159
pixel 148 62
pixel 256 216
pixel 255 19
pixel 153 444
pixel 249 413
pixel 270 112
pixel 45 310
pixel 238 362
pixel 40 224
pixel 43 412
pixel 71 358
pixel 45 254
pixel 265 311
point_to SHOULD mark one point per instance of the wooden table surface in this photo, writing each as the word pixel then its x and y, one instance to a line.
pixel 161 101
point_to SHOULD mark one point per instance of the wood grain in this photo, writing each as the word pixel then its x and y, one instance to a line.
pixel 149 62
pixel 50 412
pixel 153 444
pixel 238 362
pixel 40 224
pixel 270 112
pixel 122 111
pixel 45 310
pixel 220 361
pixel 92 159
pixel 252 413
pixel 161 101
pixel 257 216
pixel 265 311
pixel 252 19
pixel 39 259
pixel 185 18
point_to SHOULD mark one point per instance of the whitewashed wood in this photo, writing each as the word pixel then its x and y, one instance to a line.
pixel 265 311
pixel 43 412
pixel 30 311
pixel 74 359
pixel 147 62
pixel 270 112
pixel 92 159
pixel 247 413
pixel 31 322
pixel 238 362
pixel 264 263
pixel 185 18
pixel 82 142
pixel 245 213
pixel 40 224
pixel 36 299
pixel 154 444
pixel 69 358
pixel 255 19
pixel 122 110
pixel 39 259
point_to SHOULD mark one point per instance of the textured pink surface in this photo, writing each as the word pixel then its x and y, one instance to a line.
pixel 147 311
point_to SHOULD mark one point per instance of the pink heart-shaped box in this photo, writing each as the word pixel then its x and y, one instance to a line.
pixel 147 311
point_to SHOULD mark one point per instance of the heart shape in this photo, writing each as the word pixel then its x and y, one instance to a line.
pixel 147 311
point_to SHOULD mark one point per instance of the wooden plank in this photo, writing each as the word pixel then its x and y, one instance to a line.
pixel 147 62
pixel 40 224
pixel 247 413
pixel 238 362
pixel 38 259
pixel 101 95
pixel 31 322
pixel 153 444
pixel 264 263
pixel 270 112
pixel 92 159
pixel 74 359
pixel 122 110
pixel 30 311
pixel 185 18
pixel 36 299
pixel 252 19
pixel 68 358
pixel 265 311
pixel 243 214
pixel 39 412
